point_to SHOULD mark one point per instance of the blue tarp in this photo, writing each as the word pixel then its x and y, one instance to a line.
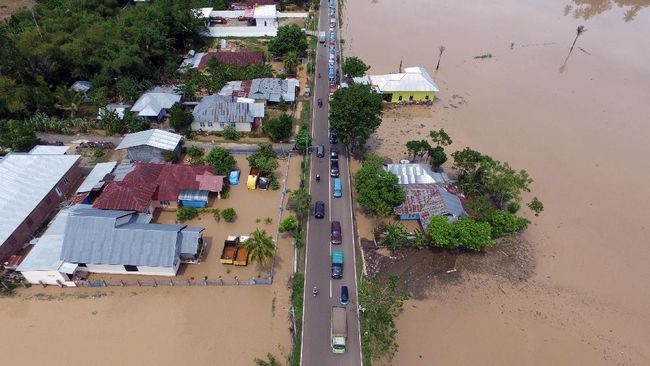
pixel 233 178
pixel 197 204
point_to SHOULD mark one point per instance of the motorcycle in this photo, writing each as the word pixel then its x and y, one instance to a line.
pixel 315 291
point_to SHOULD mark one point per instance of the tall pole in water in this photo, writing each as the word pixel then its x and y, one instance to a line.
pixel 442 49
pixel 400 66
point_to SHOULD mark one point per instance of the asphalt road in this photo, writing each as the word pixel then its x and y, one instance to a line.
pixel 316 348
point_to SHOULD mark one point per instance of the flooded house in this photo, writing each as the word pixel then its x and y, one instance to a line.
pixel 413 85
pixel 151 146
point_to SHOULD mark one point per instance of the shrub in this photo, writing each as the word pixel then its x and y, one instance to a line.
pixel 230 133
pixel 462 233
pixel 185 213
pixel 229 214
pixel 506 223
pixel 289 223
pixel 216 214
pixel 195 152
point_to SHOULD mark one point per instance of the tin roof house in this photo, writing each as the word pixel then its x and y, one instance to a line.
pixel 413 85
pixel 155 104
pixel 216 112
pixel 268 90
pixel 150 146
pixel 424 201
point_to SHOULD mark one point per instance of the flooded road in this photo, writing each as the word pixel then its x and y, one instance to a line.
pixel 579 123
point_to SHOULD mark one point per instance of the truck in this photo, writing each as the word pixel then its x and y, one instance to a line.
pixel 339 329
pixel 229 250
pixel 337 264
pixel 242 255
pixel 253 175
pixel 322 37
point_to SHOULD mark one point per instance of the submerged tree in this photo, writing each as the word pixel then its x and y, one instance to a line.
pixel 260 246
pixel 581 29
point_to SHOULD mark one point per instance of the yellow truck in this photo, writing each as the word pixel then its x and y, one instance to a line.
pixel 253 175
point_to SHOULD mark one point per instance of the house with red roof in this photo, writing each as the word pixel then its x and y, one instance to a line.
pixel 148 186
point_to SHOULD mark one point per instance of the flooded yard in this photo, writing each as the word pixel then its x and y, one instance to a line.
pixel 577 121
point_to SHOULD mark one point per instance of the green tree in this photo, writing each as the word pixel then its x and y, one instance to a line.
pixel 536 206
pixel 195 152
pixel 278 128
pixel 299 202
pixel 354 67
pixel 186 213
pixel 135 123
pixel 289 38
pixel 260 247
pixel 12 97
pixel 378 191
pixel 17 136
pixel 282 104
pixel 438 156
pixel 290 61
pixel 505 223
pixel 229 214
pixel 264 159
pixel 462 233
pixel 417 148
pixel 220 159
pixel 67 101
pixel 112 123
pixel 440 138
pixel 179 119
pixel 230 133
pixel 289 223
pixel 355 113
pixel 303 137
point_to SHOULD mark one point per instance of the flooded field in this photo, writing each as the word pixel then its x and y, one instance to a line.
pixel 578 122
pixel 212 325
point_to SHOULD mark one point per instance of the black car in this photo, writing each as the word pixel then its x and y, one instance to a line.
pixel 320 151
pixel 344 295
pixel 319 209
pixel 332 138
pixel 334 168
pixel 334 154
pixel 335 237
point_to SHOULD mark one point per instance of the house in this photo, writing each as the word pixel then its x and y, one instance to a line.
pixel 413 85
pixel 150 146
pixel 155 104
pixel 118 108
pixel 266 16
pixel 265 90
pixel 31 188
pixel 216 112
pixel 256 21
pixel 426 200
pixel 412 173
pixel 49 150
pixel 118 242
pixel 146 187
pixel 191 61
pixel 234 58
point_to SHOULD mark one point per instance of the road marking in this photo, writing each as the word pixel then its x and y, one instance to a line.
pixel 330 288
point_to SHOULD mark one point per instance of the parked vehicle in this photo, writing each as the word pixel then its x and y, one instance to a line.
pixel 339 329
pixel 332 138
pixel 337 264
pixel 233 178
pixel 229 250
pixel 253 175
pixel 241 255
pixel 334 154
pixel 337 190
pixel 263 183
pixel 320 151
pixel 319 209
pixel 335 234
pixel 322 37
pixel 334 168
pixel 345 297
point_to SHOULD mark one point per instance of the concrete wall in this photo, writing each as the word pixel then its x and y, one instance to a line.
pixel 142 270
pixel 242 31
pixel 40 215
pixel 48 277
pixel 241 127
pixel 417 96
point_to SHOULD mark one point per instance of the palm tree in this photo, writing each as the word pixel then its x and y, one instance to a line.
pixel 290 63
pixel 581 29
pixel 441 49
pixel 260 246
pixel 68 101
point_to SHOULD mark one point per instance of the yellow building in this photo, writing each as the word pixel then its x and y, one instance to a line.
pixel 413 85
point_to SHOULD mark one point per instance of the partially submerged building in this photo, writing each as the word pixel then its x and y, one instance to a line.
pixel 216 112
pixel 414 173
pixel 31 188
pixel 150 146
pixel 413 85
pixel 424 201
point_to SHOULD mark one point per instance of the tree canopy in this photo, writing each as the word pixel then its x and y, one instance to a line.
pixel 354 67
pixel 17 136
pixel 378 191
pixel 221 160
pixel 180 119
pixel 462 233
pixel 278 128
pixel 289 38
pixel 264 159
pixel 355 113
pixel 260 246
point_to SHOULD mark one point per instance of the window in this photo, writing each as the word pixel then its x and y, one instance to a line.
pixel 426 97
pixel 65 181
pixel 129 268
pixel 400 98
pixel 58 191
pixel 164 203
pixel 209 123
pixel 202 124
pixel 233 124
pixel 411 98
pixel 222 124
pixel 82 265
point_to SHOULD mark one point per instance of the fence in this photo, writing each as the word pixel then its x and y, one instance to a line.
pixel 174 282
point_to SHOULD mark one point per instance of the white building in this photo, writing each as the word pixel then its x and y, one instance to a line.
pixel 266 20
pixel 156 103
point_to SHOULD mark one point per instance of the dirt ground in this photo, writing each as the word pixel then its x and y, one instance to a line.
pixel 577 123
pixel 7 7
pixel 228 325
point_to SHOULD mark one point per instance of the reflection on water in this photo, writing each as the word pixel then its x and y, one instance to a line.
pixel 586 9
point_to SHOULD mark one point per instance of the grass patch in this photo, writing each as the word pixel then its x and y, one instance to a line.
pixel 297 299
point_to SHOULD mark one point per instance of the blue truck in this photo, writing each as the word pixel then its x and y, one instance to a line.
pixel 337 264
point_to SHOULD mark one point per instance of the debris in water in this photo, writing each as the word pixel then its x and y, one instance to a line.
pixel 486 55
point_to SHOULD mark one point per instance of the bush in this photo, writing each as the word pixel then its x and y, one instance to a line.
pixel 275 184
pixel 229 214
pixel 195 152
pixel 185 213
pixel 462 233
pixel 505 223
pixel 278 128
pixel 220 159
pixel 180 119
pixel 289 223
pixel 230 133
pixel 216 213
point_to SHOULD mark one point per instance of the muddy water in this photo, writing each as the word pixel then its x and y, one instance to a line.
pixel 578 122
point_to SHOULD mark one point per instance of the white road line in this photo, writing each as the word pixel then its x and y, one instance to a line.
pixel 330 288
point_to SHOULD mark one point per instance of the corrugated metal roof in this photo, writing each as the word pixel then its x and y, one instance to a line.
pixel 80 86
pixel 193 195
pixel 96 176
pixel 412 79
pixel 220 109
pixel 172 178
pixel 25 180
pixel 151 103
pixel 270 89
pixel 416 174
pixel 126 196
pixel 46 254
pixel 49 150
pixel 93 236
pixel 154 137
pixel 429 200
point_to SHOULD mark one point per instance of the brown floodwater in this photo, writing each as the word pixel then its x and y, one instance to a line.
pixel 579 123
